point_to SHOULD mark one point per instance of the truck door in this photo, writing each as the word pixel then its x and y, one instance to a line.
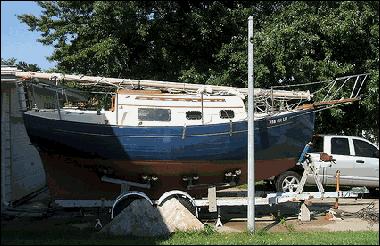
pixel 340 150
pixel 366 164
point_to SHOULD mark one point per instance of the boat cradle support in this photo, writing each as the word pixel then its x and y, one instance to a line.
pixel 125 185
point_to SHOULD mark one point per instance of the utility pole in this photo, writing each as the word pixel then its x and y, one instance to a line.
pixel 251 139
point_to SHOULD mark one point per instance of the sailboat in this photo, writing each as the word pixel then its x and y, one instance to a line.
pixel 157 135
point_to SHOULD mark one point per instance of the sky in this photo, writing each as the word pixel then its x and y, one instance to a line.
pixel 17 41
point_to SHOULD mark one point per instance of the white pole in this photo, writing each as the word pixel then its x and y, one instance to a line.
pixel 251 150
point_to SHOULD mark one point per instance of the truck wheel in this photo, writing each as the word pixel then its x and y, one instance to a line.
pixel 288 182
pixel 373 191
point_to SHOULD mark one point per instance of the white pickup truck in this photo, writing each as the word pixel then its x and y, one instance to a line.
pixel 356 158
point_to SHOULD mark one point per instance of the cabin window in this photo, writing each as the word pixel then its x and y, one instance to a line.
pixel 154 114
pixel 193 115
pixel 227 114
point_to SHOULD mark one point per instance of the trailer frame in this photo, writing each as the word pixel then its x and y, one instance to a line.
pixel 213 202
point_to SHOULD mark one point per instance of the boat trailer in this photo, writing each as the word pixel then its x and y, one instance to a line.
pixel 213 202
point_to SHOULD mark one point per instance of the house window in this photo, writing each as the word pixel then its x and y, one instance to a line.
pixel 154 114
pixel 193 115
pixel 227 114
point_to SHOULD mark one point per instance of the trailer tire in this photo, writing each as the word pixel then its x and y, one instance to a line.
pixel 184 201
pixel 124 200
pixel 287 181
pixel 188 205
pixel 121 205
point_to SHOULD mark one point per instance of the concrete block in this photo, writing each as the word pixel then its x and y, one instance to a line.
pixel 179 218
pixel 141 219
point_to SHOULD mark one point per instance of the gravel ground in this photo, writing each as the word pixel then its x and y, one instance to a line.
pixel 352 215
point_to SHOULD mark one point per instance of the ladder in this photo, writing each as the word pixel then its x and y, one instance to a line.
pixel 311 169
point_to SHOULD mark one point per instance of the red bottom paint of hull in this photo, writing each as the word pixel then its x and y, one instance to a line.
pixel 74 178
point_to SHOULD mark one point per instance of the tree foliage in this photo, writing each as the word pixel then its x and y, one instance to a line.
pixel 315 41
pixel 20 65
pixel 206 42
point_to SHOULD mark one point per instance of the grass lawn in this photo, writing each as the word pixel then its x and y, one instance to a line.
pixel 66 235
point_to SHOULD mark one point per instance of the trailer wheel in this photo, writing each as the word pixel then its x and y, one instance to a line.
pixel 121 205
pixel 288 182
pixel 125 200
pixel 184 201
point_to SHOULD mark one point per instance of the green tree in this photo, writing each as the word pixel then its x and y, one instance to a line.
pixel 168 40
pixel 314 41
pixel 206 42
pixel 20 65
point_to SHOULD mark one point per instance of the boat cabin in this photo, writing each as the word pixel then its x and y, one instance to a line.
pixel 154 108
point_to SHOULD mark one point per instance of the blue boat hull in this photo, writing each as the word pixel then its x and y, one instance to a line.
pixel 172 152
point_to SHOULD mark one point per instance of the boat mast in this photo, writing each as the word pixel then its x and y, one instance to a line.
pixel 168 85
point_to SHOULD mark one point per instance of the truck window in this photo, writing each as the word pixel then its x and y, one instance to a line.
pixel 339 146
pixel 317 144
pixel 365 149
